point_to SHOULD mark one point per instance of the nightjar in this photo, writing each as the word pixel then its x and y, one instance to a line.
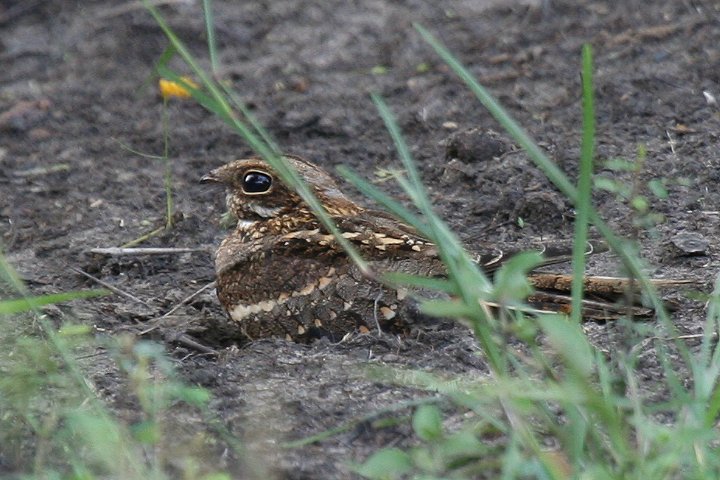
pixel 280 273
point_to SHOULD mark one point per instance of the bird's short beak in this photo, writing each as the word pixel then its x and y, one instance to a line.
pixel 210 178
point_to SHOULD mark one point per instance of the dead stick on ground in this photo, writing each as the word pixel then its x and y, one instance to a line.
pixel 109 287
pixel 188 341
pixel 181 339
pixel 120 251
pixel 695 336
pixel 188 298
pixel 155 321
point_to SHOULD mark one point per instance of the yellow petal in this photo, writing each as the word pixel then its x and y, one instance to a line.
pixel 169 88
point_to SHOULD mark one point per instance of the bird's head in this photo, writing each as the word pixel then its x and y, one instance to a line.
pixel 255 192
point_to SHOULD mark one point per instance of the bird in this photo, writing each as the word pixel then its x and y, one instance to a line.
pixel 280 273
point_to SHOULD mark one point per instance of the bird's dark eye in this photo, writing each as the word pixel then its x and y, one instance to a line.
pixel 256 182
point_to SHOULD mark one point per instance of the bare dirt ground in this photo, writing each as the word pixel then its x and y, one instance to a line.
pixel 75 87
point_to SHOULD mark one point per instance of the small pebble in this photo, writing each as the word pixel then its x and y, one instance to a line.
pixel 690 243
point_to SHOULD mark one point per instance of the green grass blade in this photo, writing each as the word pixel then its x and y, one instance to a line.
pixel 436 284
pixel 164 59
pixel 220 103
pixel 221 106
pixel 557 177
pixel 207 101
pixel 569 341
pixel 498 112
pixel 713 408
pixel 449 246
pixel 8 307
pixel 712 326
pixel 462 271
pixel 446 308
pixel 10 276
pixel 416 189
pixel 582 206
pixel 254 123
pixel 210 31
pixel 374 193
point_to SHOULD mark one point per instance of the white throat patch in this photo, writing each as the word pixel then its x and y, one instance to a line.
pixel 264 212
pixel 246 224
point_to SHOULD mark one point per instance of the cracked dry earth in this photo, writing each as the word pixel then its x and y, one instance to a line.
pixel 75 90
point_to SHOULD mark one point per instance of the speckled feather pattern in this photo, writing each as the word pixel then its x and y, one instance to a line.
pixel 280 273
pixel 284 275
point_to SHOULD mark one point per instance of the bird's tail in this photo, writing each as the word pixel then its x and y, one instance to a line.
pixel 605 298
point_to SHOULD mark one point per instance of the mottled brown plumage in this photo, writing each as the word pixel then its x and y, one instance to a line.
pixel 280 273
